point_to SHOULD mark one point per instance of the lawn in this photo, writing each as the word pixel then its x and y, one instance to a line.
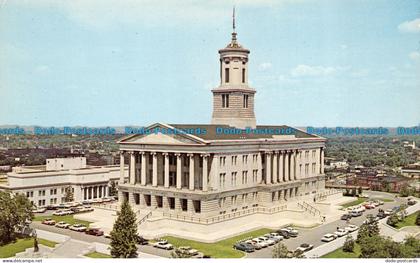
pixel 67 218
pixel 339 253
pixel 408 221
pixel 386 200
pixel 355 202
pixel 21 245
pixel 221 249
pixel 97 255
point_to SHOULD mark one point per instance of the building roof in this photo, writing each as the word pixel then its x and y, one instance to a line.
pixel 226 132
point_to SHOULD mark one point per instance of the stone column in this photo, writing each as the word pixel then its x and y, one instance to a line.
pixel 214 177
pixel 268 167
pixel 122 167
pixel 166 173
pixel 286 166
pixel 190 206
pixel 275 163
pixel 205 171
pixel 178 171
pixel 131 200
pixel 165 203
pixel 191 178
pixel 154 171
pixel 322 160
pixel 132 168
pixel 259 168
pixel 143 168
pixel 317 161
pixel 297 165
pixel 292 165
pixel 281 173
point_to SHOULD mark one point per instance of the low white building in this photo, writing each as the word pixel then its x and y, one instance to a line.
pixel 46 184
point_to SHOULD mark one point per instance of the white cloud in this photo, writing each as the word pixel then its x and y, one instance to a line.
pixel 414 56
pixel 312 71
pixel 265 66
pixel 412 26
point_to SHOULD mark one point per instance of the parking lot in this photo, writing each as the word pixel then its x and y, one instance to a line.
pixel 311 236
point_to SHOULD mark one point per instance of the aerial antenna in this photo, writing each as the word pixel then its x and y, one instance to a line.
pixel 233 19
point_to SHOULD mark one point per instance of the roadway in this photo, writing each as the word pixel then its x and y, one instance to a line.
pixel 311 236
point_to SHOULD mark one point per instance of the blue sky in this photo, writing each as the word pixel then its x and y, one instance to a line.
pixel 109 62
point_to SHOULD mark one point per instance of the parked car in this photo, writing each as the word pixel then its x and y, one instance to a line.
pixel 142 241
pixel 388 212
pixel 269 241
pixel 94 231
pixel 305 247
pixel 411 202
pixel 48 221
pixel 163 244
pixel 351 228
pixel 328 237
pixel 78 227
pixel 63 212
pixel 355 213
pixel 243 246
pixel 369 206
pixel 62 224
pixel 261 242
pixel 39 210
pixel 341 232
pixel 274 236
pixel 291 231
pixel 189 251
pixel 284 234
pixel 256 245
pixel 346 216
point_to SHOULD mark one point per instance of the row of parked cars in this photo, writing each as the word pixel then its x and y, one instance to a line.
pixel 252 244
pixel 75 227
pixel 70 205
pixel 355 211
pixel 340 232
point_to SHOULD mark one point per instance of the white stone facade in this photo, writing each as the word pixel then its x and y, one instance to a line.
pixel 47 187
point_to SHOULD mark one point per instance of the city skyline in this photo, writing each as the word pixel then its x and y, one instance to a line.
pixel 118 63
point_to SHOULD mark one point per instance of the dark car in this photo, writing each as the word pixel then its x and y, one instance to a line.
pixel 411 202
pixel 284 234
pixel 94 232
pixel 346 217
pixel 142 241
pixel 244 247
pixel 381 215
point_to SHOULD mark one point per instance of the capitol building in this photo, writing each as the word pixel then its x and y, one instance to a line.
pixel 214 176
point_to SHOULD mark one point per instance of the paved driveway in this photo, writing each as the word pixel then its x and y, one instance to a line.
pixel 313 236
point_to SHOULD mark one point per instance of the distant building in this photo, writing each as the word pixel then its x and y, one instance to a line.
pixel 411 171
pixel 46 184
pixel 378 183
pixel 335 164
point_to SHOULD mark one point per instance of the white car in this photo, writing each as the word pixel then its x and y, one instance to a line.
pixel 269 241
pixel 39 210
pixel 59 213
pixel 351 228
pixel 163 245
pixel 328 237
pixel 78 227
pixel 388 212
pixel 260 242
pixel 292 232
pixel 341 232
pixel 305 247
pixel 62 224
pixel 275 236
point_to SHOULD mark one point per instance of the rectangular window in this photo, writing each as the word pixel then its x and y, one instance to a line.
pixel 227 75
pixel 243 75
pixel 245 103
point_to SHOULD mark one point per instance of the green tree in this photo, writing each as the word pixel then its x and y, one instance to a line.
pixel 179 253
pixel 113 188
pixel 405 191
pixel 280 251
pixel 360 190
pixel 15 211
pixel 411 247
pixel 124 233
pixel 393 220
pixel 68 195
pixel 348 244
pixel 372 247
pixel 418 219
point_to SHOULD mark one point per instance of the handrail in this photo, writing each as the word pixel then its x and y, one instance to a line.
pixel 145 217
